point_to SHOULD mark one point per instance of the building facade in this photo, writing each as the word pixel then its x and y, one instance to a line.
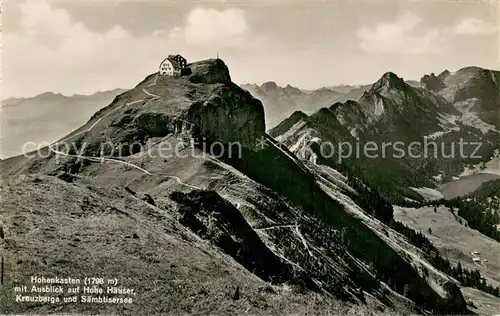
pixel 172 66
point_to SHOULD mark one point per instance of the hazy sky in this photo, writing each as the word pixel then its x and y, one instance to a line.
pixel 71 47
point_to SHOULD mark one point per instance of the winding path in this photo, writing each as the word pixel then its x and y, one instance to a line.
pixel 104 159
pixel 297 231
pixel 304 242
pixel 275 226
pixel 154 96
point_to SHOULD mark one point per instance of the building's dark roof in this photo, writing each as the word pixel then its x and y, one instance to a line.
pixel 174 63
pixel 172 59
pixel 175 56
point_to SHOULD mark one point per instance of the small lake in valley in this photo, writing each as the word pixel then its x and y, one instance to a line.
pixel 465 185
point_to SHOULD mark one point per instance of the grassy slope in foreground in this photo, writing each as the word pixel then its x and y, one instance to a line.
pixel 82 230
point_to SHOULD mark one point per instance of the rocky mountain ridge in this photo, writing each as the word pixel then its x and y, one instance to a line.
pixel 282 101
pixel 393 111
pixel 473 90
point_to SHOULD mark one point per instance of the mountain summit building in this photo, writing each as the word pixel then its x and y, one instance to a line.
pixel 173 65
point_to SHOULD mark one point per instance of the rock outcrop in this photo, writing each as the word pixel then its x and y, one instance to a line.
pixel 231 115
pixel 209 71
pixel 431 82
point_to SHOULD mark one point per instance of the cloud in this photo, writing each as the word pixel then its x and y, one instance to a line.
pixel 399 37
pixel 54 53
pixel 209 27
pixel 473 26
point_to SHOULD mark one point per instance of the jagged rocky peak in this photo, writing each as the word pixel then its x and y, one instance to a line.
pixel 269 86
pixel 388 81
pixel 323 111
pixel 292 90
pixel 336 106
pixel 346 105
pixel 433 83
pixel 249 86
pixel 287 124
pixel 444 74
pixel 298 115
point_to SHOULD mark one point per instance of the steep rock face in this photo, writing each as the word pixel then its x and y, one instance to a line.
pixel 232 115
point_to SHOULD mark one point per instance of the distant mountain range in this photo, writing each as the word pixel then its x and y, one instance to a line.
pixel 279 102
pixel 46 117
pixel 57 110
